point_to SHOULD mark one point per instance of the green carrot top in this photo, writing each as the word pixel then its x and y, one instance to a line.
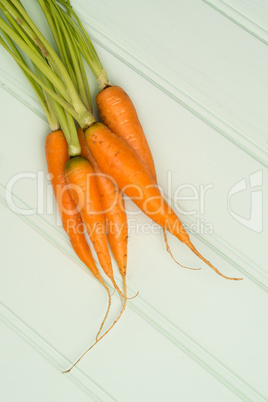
pixel 59 81
pixel 84 42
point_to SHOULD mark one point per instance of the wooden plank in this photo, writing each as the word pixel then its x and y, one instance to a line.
pixel 189 332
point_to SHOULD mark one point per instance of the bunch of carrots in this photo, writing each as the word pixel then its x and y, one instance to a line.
pixel 91 164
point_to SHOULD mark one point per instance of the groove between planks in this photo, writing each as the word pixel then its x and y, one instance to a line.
pixel 240 19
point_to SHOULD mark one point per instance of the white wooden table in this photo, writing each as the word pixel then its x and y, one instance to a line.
pixel 197 73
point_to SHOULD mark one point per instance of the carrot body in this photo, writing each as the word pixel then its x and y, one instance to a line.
pixel 56 149
pixel 84 189
pixel 115 156
pixel 119 114
pixel 113 207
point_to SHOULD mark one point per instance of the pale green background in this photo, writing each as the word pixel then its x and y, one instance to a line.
pixel 197 72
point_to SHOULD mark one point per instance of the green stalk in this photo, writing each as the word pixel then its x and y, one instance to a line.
pixel 86 46
pixel 50 92
pixel 82 83
pixel 64 45
pixel 73 136
pixel 87 95
pixel 20 22
pixel 36 59
pixel 52 83
pixel 16 27
pixel 53 30
pixel 54 106
pixel 41 95
pixel 51 117
pixel 31 36
pixel 77 109
pixel 48 50
pixel 59 39
pixel 74 54
pixel 56 115
pixel 69 4
pixel 66 122
pixel 52 114
pixel 92 51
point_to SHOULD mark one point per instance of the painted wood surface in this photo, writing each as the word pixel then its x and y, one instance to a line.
pixel 199 81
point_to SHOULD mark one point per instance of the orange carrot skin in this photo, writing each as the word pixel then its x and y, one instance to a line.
pixel 56 149
pixel 115 156
pixel 85 192
pixel 114 210
pixel 119 114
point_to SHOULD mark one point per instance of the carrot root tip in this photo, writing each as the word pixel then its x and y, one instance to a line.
pixel 194 250
pixel 107 312
pixel 102 336
pixel 133 297
pixel 173 258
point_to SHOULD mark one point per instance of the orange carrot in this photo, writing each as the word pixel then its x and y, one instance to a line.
pixel 114 156
pixel 119 114
pixel 114 209
pixel 84 189
pixel 56 149
pixel 85 192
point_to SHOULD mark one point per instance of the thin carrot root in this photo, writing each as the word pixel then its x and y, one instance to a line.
pixel 125 286
pixel 192 247
pixel 117 289
pixel 133 297
pixel 108 330
pixel 169 251
pixel 107 312
pixel 122 295
pixel 125 289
